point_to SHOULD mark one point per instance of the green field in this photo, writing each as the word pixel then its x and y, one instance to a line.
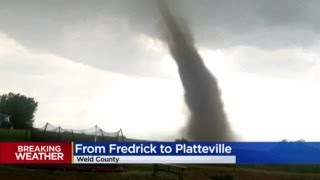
pixel 145 171
pixel 13 135
pixel 133 172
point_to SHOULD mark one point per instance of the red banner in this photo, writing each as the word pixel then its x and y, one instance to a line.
pixel 36 153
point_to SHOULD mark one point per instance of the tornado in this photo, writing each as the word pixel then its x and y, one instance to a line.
pixel 207 121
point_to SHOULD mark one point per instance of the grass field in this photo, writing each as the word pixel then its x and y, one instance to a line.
pixel 145 172
pixel 133 172
pixel 268 172
pixel 13 135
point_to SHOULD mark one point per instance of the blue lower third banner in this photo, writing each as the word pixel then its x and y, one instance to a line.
pixel 197 153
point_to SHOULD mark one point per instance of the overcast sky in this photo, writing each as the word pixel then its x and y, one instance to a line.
pixel 103 62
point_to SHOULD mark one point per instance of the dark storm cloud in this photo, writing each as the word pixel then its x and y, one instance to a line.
pixel 103 33
pixel 230 23
pixel 98 33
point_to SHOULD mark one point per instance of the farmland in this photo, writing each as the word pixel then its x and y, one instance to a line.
pixel 145 172
pixel 13 135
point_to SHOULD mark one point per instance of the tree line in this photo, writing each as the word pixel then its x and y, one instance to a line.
pixel 20 108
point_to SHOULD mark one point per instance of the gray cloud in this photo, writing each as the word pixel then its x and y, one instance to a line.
pixel 288 63
pixel 103 33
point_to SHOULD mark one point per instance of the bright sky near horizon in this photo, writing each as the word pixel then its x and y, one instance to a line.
pixel 103 63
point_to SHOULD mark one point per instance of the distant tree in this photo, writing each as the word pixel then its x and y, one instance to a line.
pixel 181 140
pixel 300 140
pixel 20 108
